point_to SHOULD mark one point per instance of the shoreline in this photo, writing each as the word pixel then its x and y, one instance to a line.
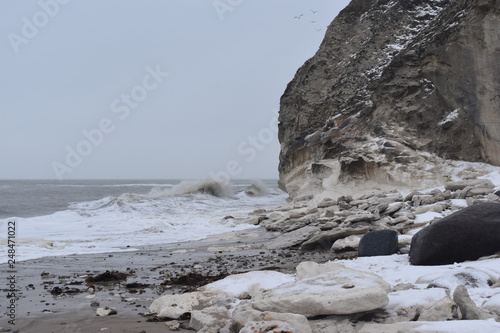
pixel 147 269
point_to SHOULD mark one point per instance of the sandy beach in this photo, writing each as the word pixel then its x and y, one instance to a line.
pixel 149 273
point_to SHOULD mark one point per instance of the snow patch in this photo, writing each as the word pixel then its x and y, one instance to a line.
pixel 427 217
pixel 408 298
pixel 240 285
pixel 450 117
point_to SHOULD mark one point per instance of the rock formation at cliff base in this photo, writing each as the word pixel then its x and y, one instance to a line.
pixel 397 90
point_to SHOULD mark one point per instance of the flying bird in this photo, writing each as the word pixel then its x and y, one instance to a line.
pixel 318 30
pixel 299 16
pixel 314 11
pixel 313 21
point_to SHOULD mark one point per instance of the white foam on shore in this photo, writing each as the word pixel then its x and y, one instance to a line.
pixel 187 212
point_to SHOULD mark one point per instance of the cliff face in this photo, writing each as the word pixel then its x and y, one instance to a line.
pixel 395 86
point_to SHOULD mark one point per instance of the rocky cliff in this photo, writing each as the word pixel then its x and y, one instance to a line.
pixel 396 89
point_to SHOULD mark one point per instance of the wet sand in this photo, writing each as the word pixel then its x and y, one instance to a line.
pixel 149 274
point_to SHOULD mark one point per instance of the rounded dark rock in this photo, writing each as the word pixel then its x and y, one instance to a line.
pixel 468 234
pixel 378 243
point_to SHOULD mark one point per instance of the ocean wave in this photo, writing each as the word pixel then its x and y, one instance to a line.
pixel 108 185
pixel 188 211
pixel 257 189
pixel 161 200
pixel 186 187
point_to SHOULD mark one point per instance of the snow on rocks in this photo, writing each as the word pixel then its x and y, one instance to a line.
pixel 462 326
pixel 248 284
pixel 387 288
pixel 470 277
pixel 468 308
pixel 338 291
pixel 407 305
pixel 493 305
pixel 369 294
pixel 441 310
pixel 323 223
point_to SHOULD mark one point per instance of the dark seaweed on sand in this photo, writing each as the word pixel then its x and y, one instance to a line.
pixel 107 277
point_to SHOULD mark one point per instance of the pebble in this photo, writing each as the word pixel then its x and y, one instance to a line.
pixel 107 311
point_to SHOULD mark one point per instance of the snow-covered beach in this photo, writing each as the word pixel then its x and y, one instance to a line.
pixel 253 266
pixel 401 297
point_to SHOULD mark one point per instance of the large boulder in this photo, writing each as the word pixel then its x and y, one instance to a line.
pixel 340 290
pixel 468 234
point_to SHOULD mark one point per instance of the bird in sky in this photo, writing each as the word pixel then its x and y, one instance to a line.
pixel 314 11
pixel 318 30
pixel 299 16
pixel 313 21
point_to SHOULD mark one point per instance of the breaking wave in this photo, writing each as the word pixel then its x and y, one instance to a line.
pixel 186 211
pixel 257 189
pixel 211 187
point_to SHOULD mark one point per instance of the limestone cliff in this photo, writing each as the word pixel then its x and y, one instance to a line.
pixel 395 87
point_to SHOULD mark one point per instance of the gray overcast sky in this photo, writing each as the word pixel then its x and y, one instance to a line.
pixel 85 90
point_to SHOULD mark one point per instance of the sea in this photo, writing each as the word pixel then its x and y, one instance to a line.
pixel 54 218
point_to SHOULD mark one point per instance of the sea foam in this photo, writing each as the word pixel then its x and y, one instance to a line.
pixel 191 210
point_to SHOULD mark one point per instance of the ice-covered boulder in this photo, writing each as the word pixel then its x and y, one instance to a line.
pixel 338 291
